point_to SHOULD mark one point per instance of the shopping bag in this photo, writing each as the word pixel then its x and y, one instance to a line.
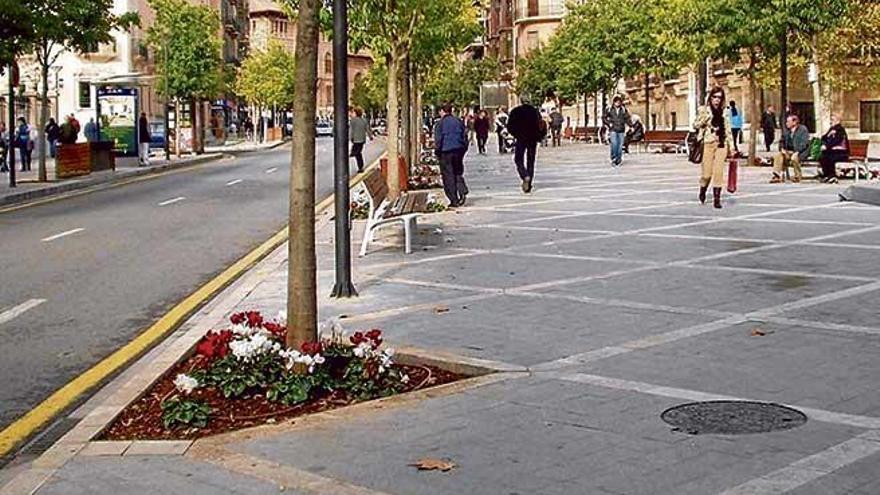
pixel 731 176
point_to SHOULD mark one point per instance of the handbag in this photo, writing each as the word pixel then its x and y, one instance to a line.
pixel 731 176
pixel 695 148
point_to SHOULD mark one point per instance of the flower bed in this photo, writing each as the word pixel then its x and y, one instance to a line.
pixel 243 376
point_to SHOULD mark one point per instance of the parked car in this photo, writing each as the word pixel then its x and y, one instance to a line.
pixel 323 128
pixel 157 135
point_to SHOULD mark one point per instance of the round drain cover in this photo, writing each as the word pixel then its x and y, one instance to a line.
pixel 730 417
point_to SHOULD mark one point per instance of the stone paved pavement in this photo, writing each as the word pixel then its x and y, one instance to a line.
pixel 620 296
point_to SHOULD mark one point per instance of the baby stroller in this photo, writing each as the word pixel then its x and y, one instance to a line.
pixel 508 142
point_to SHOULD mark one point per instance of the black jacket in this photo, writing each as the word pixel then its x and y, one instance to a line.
pixel 143 130
pixel 524 123
pixel 53 132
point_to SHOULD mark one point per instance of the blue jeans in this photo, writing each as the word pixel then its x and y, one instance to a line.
pixel 616 139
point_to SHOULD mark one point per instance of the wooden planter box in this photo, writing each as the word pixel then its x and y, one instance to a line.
pixel 79 159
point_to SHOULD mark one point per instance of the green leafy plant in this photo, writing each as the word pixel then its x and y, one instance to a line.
pixel 291 389
pixel 234 377
pixel 185 412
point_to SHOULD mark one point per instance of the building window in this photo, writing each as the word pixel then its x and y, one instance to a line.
pixel 328 96
pixel 531 40
pixel 869 116
pixel 674 119
pixel 85 95
pixel 328 63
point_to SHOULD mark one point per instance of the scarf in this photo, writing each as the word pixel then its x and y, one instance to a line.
pixel 718 122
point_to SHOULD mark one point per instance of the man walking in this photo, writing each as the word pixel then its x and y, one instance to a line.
pixel 556 121
pixel 616 119
pixel 768 125
pixel 53 134
pixel 25 144
pixel 91 131
pixel 144 139
pixel 795 149
pixel 360 130
pixel 525 125
pixel 501 124
pixel 450 145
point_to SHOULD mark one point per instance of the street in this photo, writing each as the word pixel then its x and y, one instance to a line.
pixel 82 276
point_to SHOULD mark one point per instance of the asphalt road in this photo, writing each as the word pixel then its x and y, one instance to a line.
pixel 84 275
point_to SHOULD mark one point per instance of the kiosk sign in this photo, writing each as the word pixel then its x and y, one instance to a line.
pixel 118 115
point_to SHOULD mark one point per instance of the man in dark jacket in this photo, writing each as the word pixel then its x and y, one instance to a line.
pixel 450 145
pixel 556 121
pixel 768 125
pixel 795 150
pixel 616 119
pixel 525 124
pixel 144 139
pixel 53 134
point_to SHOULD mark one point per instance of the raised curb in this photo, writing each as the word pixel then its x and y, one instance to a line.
pixel 20 197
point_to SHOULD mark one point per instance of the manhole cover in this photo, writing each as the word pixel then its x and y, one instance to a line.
pixel 730 417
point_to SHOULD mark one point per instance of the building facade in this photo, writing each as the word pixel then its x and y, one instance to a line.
pixel 269 22
pixel 126 61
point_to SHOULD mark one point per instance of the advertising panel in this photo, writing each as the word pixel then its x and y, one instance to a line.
pixel 118 117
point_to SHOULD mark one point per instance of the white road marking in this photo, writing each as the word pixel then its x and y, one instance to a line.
pixel 63 234
pixel 172 201
pixel 234 182
pixel 271 170
pixel 811 468
pixel 16 311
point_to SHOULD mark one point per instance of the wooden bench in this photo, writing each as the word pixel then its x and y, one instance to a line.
pixel 589 134
pixel 858 159
pixel 383 211
pixel 671 138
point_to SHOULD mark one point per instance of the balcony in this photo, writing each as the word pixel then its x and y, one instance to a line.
pixel 529 9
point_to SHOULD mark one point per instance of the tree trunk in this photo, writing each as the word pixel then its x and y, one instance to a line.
pixel 405 112
pixel 416 112
pixel 44 118
pixel 821 93
pixel 177 123
pixel 302 299
pixel 393 124
pixel 754 118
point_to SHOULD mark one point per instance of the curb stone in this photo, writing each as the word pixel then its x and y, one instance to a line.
pixel 20 197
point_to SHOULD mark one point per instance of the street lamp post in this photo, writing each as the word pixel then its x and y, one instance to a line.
pixel 343 287
pixel 783 69
pixel 11 127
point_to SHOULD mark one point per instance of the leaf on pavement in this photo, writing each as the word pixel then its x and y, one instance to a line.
pixel 431 464
pixel 757 332
pixel 439 310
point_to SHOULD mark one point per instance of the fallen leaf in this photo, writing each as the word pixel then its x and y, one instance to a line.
pixel 757 332
pixel 430 464
pixel 441 309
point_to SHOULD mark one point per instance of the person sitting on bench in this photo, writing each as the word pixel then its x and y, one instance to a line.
pixel 835 149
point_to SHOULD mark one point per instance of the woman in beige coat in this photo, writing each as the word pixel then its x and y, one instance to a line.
pixel 713 129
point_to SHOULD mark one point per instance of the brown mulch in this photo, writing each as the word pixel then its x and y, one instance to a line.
pixel 142 419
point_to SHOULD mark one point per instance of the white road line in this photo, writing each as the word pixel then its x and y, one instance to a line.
pixel 172 201
pixel 16 311
pixel 825 416
pixel 63 234
pixel 272 170
pixel 234 182
pixel 812 467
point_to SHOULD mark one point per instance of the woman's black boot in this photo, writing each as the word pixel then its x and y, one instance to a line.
pixel 717 192
pixel 703 190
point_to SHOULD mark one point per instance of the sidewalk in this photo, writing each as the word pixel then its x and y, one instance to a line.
pixel 605 297
pixel 29 188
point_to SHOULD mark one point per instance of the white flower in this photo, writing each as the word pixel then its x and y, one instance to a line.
pixel 242 330
pixel 282 317
pixel 185 383
pixel 364 349
pixel 332 331
pixel 258 343
pixel 404 379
